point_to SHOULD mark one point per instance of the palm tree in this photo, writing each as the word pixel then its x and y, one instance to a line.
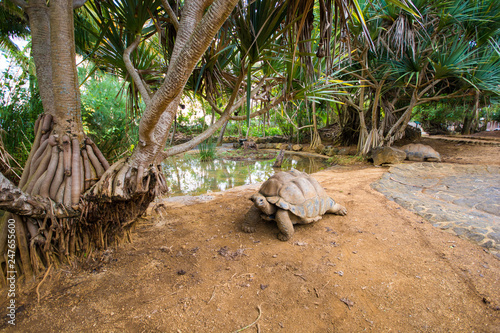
pixel 424 53
pixel 70 199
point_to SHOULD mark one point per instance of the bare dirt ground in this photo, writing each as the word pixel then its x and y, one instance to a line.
pixel 381 268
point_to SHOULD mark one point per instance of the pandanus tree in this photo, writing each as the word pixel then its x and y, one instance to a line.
pixel 425 52
pixel 70 199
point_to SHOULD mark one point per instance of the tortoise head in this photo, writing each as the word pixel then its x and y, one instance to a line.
pixel 261 202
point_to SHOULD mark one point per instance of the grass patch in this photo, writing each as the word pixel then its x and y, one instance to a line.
pixel 241 154
pixel 345 159
pixel 207 150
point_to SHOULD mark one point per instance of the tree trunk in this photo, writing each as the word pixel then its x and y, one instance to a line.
pixel 397 130
pixel 173 131
pixel 220 140
pixel 279 159
pixel 39 23
pixel 471 121
pixel 316 140
pixel 64 163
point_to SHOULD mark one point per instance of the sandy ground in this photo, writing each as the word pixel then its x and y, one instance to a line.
pixel 380 268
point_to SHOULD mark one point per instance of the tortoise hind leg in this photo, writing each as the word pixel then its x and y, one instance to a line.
pixel 285 225
pixel 337 209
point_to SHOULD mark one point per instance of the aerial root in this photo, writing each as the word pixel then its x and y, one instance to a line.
pixel 60 168
pixel 44 277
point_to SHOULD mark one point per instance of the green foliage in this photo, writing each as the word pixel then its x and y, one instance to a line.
pixel 13 23
pixel 255 129
pixel 273 131
pixel 493 112
pixel 104 116
pixel 20 106
pixel 107 28
pixel 208 150
pixel 439 115
pixel 345 159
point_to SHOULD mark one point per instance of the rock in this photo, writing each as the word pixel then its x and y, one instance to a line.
pixel 346 151
pixel 249 145
pixel 296 147
pixel 229 139
pixel 320 148
pixel 329 151
pixel 261 145
pixel 387 155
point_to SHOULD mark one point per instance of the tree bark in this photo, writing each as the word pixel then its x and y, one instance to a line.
pixel 64 73
pixel 194 37
pixel 39 23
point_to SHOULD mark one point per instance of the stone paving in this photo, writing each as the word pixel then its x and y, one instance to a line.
pixel 463 199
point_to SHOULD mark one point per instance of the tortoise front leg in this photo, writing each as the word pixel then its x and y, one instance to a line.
pixel 252 217
pixel 285 225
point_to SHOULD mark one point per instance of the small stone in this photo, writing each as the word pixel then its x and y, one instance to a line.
pixel 181 272
pixel 347 302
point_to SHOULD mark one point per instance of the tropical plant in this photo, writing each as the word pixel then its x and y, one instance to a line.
pixel 208 150
pixel 105 117
pixel 425 52
pixel 66 177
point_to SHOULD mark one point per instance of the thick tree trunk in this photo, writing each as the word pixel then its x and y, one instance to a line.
pixel 39 23
pixel 64 163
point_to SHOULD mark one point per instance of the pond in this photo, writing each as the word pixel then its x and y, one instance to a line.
pixel 187 175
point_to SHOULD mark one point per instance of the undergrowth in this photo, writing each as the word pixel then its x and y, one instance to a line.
pixel 345 159
pixel 207 150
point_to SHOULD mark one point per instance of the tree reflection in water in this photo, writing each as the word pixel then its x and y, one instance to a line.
pixel 187 175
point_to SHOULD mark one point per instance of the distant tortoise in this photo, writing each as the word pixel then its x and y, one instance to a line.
pixel 421 153
pixel 289 198
pixel 387 155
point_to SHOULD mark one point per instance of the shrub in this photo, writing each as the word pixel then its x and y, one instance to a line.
pixel 207 150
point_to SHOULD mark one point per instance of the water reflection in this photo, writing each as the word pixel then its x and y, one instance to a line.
pixel 187 175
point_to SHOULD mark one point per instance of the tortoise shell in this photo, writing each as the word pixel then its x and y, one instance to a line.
pixel 296 192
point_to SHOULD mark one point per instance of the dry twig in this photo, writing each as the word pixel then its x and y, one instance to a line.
pixel 255 322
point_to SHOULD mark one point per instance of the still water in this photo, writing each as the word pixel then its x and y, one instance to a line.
pixel 187 175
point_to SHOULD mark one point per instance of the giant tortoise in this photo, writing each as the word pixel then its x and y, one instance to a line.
pixel 289 198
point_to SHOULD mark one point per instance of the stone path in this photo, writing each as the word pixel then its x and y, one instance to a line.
pixel 463 199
